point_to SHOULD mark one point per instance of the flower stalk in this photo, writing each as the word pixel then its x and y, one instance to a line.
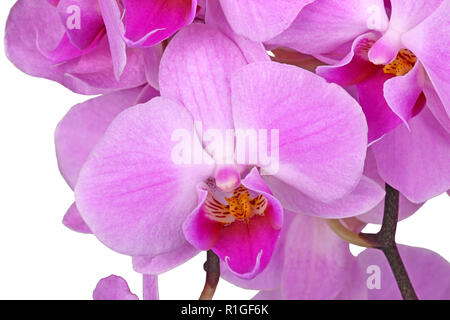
pixel 384 240
pixel 212 268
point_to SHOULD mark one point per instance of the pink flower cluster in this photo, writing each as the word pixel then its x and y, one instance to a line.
pixel 358 91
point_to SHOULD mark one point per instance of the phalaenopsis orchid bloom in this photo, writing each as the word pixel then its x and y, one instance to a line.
pixel 201 140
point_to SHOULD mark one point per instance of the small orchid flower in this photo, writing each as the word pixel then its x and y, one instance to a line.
pixel 369 277
pixel 139 202
pixel 399 83
pixel 116 288
pixel 312 262
pixel 372 278
pixel 401 88
pixel 77 43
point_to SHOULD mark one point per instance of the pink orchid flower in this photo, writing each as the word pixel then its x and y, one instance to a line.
pixel 137 201
pixel 403 92
pixel 369 277
pixel 401 73
pixel 77 43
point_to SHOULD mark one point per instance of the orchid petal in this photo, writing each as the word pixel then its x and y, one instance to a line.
pixel 363 198
pixel 261 20
pixel 84 125
pixel 315 31
pixel 405 15
pixel 149 22
pixel 401 93
pixel 111 15
pixel 316 261
pixel 74 221
pixel 131 192
pixel 434 103
pixel 322 131
pixel 90 21
pixel 253 51
pixel 96 69
pixel 247 248
pixel 164 262
pixel 355 67
pixel 65 50
pixel 408 14
pixel 380 117
pixel 430 42
pixel 201 231
pixel 196 69
pixel 416 162
pixel 113 288
pixel 270 277
pixel 375 216
pixel 434 284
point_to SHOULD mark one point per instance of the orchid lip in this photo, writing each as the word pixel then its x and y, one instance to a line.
pixel 241 206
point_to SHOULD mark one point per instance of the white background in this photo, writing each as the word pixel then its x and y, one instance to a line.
pixel 42 259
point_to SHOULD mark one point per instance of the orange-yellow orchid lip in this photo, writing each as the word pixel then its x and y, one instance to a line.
pixel 403 63
pixel 241 206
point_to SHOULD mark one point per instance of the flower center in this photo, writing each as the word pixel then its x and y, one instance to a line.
pixel 241 206
pixel 402 64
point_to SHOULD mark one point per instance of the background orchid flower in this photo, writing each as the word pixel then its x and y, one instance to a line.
pixel 81 129
pixel 403 97
pixel 395 69
pixel 373 279
pixel 116 288
pixel 138 202
pixel 367 276
pixel 77 43
pixel 399 85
